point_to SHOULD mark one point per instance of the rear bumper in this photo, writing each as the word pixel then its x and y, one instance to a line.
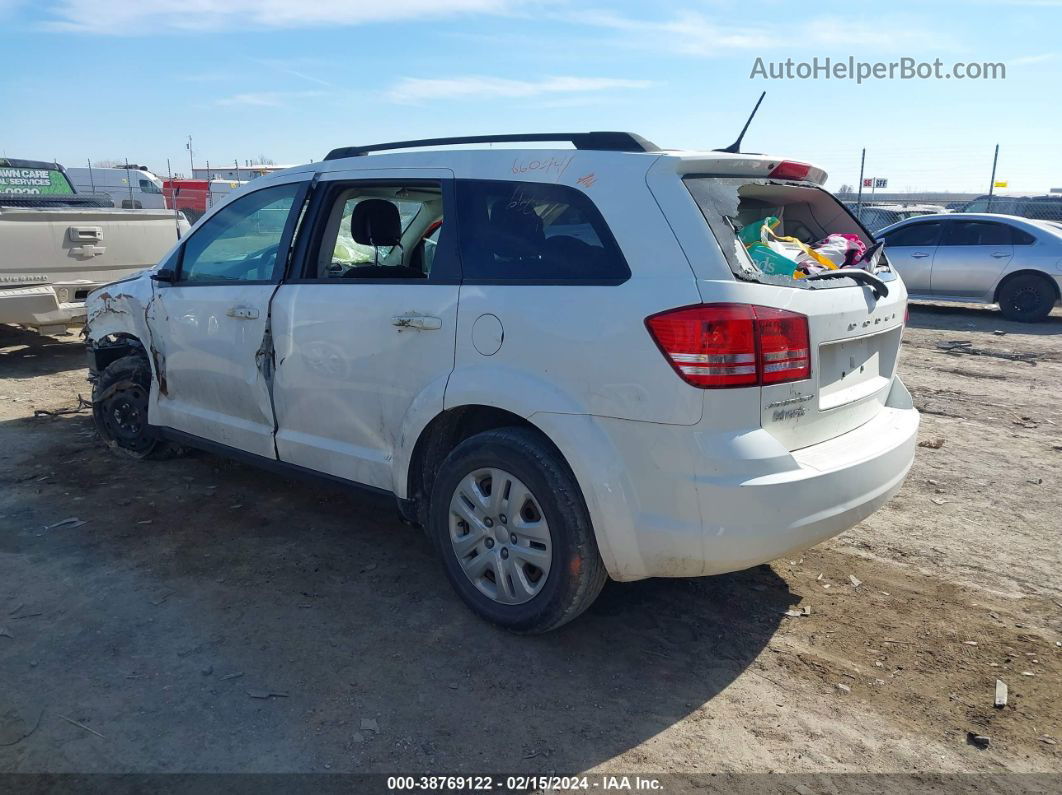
pixel 833 486
pixel 682 502
pixel 40 305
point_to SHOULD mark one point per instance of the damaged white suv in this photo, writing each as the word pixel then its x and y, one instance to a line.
pixel 563 363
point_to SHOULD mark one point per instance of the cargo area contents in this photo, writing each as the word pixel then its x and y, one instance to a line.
pixel 781 232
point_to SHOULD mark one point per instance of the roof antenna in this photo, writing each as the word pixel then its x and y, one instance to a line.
pixel 735 147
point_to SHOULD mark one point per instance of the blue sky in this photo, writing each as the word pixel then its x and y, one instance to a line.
pixel 105 79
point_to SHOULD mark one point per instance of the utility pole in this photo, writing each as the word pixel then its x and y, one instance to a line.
pixel 173 198
pixel 859 197
pixel 191 160
pixel 992 182
pixel 129 183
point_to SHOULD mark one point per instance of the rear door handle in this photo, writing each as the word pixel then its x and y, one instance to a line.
pixel 919 255
pixel 421 322
pixel 1000 254
pixel 242 312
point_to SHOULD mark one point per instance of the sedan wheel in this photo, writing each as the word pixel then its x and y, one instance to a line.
pixel 1027 298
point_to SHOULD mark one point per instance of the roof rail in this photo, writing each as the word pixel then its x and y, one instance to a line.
pixel 601 141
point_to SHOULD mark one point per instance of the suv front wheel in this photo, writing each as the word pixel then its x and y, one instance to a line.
pixel 120 409
pixel 513 531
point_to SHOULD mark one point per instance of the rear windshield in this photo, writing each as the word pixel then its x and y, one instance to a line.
pixel 34 182
pixel 803 216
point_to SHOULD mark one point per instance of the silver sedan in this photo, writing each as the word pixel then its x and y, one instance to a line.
pixel 980 258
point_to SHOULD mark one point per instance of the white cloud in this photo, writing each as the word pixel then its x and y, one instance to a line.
pixel 265 99
pixel 689 32
pixel 123 17
pixel 696 34
pixel 411 90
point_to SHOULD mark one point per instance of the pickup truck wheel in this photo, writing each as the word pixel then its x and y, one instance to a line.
pixel 120 409
pixel 1027 298
pixel 513 531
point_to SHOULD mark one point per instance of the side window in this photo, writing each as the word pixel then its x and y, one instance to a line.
pixel 923 234
pixel 977 206
pixel 977 233
pixel 241 241
pixel 375 230
pixel 148 186
pixel 523 231
pixel 1019 237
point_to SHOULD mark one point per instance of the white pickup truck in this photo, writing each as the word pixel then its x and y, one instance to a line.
pixel 56 246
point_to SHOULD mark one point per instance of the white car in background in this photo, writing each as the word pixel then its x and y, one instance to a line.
pixel 132 188
pixel 980 258
pixel 561 362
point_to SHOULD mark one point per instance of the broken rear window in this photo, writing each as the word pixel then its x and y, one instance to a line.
pixel 805 213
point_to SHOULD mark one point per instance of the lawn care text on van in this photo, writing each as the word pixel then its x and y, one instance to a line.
pixel 851 69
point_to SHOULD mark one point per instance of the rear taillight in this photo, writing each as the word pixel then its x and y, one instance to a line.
pixel 732 345
pixel 790 169
pixel 784 349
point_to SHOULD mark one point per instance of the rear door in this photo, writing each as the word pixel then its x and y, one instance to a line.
pixel 208 328
pixel 971 257
pixel 364 332
pixel 911 251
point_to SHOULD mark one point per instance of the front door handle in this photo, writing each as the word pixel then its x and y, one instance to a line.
pixel 421 322
pixel 919 255
pixel 242 312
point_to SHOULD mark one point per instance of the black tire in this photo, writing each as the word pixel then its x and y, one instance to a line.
pixel 120 409
pixel 576 573
pixel 1027 298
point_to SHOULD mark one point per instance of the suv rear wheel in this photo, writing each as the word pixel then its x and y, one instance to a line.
pixel 120 409
pixel 1027 298
pixel 513 531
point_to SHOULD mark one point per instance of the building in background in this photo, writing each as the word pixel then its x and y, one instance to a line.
pixel 234 172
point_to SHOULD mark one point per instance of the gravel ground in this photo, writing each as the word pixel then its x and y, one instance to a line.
pixel 208 617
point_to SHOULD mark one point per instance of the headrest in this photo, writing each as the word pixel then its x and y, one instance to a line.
pixel 375 222
pixel 515 230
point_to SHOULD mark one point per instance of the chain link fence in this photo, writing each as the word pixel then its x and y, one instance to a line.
pixel 881 184
pixel 132 186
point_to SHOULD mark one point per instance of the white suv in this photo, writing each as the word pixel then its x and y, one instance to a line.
pixel 562 362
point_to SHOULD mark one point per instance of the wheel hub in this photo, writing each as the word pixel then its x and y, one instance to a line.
pixel 499 535
pixel 124 414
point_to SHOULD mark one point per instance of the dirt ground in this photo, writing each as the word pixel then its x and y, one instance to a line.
pixel 206 616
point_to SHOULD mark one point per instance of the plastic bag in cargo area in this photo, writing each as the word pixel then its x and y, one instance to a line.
pixel 770 261
pixel 760 231
pixel 798 251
